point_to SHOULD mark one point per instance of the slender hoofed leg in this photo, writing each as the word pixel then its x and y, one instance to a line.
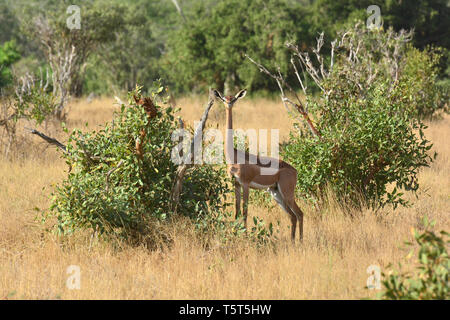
pixel 245 196
pixel 279 199
pixel 237 194
pixel 286 187
pixel 299 214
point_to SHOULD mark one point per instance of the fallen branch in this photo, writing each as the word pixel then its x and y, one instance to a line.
pixel 91 159
pixel 48 139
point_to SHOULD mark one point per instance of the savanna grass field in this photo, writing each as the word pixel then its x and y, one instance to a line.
pixel 122 129
pixel 331 263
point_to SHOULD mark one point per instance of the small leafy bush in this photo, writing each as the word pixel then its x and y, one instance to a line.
pixel 8 55
pixel 28 99
pixel 117 188
pixel 422 88
pixel 430 281
pixel 262 233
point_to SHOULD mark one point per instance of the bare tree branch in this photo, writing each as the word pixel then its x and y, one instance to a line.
pixel 180 11
pixel 3 122
pixel 188 160
pixel 297 105
pixel 63 61
pixel 90 158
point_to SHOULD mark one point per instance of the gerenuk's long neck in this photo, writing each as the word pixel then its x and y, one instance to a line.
pixel 229 146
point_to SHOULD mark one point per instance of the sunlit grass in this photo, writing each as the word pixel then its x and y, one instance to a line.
pixel 330 264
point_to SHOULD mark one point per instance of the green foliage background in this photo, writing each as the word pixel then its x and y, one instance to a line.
pixel 127 42
pixel 8 55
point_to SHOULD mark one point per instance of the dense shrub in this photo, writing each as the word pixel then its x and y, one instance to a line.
pixel 117 189
pixel 369 135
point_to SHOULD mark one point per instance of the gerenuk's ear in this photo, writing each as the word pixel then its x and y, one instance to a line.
pixel 241 94
pixel 218 95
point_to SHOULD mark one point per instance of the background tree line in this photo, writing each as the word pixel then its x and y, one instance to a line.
pixel 202 44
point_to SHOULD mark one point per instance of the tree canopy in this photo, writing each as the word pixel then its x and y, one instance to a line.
pixel 194 44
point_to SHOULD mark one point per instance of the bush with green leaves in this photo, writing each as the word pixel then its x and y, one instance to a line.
pixel 117 192
pixel 8 55
pixel 420 77
pixel 367 143
pixel 430 281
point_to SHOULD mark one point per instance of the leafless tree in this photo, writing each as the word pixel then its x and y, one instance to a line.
pixel 62 58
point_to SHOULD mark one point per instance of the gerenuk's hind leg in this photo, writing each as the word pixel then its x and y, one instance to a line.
pixel 286 187
pixel 279 199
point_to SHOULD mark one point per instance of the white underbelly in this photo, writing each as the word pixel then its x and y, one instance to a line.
pixel 255 185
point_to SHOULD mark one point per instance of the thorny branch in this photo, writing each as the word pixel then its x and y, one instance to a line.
pixel 90 158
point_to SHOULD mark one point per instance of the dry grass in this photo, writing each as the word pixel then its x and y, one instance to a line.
pixel 331 263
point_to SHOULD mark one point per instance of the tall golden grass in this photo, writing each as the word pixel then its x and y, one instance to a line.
pixel 331 263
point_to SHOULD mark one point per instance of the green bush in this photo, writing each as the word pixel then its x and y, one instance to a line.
pixel 8 55
pixel 370 135
pixel 430 281
pixel 420 77
pixel 113 190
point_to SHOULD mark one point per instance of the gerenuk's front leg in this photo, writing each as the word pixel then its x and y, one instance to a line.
pixel 237 193
pixel 245 194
